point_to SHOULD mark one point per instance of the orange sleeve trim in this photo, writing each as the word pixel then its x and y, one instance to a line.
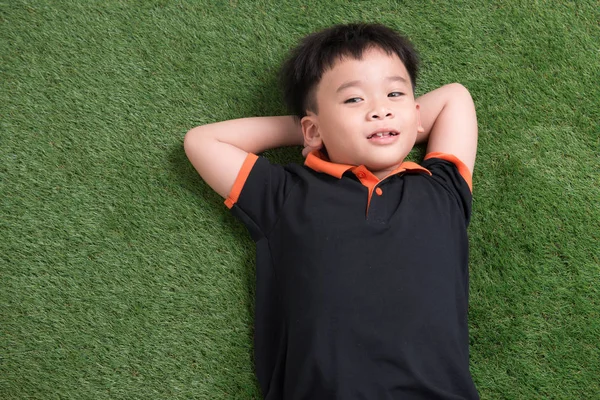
pixel 240 180
pixel 462 168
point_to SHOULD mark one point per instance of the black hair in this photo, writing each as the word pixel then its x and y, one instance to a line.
pixel 318 52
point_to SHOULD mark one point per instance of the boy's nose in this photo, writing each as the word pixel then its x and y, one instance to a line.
pixel 380 113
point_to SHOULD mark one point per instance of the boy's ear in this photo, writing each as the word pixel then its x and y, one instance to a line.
pixel 420 128
pixel 310 130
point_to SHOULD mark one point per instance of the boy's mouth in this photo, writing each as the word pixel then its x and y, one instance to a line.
pixel 382 134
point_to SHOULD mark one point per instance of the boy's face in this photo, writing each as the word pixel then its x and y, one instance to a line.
pixel 366 112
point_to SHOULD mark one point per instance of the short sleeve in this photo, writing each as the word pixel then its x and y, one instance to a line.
pixel 258 194
pixel 454 176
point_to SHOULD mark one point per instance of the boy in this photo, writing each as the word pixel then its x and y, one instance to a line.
pixel 362 258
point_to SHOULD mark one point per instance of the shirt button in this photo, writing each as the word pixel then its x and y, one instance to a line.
pixel 361 175
pixel 379 191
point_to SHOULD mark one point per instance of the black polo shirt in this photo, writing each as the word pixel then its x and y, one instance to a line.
pixel 362 284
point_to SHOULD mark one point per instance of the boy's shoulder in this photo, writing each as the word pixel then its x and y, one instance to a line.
pixel 316 173
pixel 443 168
pixel 266 192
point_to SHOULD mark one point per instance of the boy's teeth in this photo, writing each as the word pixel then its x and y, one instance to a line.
pixel 381 134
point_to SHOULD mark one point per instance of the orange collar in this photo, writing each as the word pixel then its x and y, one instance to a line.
pixel 317 161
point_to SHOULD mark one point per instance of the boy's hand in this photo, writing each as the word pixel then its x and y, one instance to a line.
pixel 308 149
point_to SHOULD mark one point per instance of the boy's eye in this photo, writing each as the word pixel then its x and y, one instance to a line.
pixel 353 100
pixel 395 94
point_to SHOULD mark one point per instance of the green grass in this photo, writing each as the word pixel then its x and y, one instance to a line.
pixel 123 276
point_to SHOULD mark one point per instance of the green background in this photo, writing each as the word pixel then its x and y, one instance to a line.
pixel 123 276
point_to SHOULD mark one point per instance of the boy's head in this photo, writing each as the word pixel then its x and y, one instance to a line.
pixel 352 86
pixel 318 52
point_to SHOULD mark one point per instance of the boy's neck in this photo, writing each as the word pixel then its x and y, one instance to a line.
pixel 385 172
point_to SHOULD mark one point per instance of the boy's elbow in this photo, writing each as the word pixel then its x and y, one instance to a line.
pixel 189 138
pixel 194 137
pixel 193 142
pixel 460 91
pixel 461 101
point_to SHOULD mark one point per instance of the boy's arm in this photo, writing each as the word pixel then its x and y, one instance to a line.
pixel 449 122
pixel 219 150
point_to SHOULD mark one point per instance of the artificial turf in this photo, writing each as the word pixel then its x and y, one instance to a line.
pixel 124 276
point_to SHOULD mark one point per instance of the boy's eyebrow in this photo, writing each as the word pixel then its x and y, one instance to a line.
pixel 395 78
pixel 347 85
